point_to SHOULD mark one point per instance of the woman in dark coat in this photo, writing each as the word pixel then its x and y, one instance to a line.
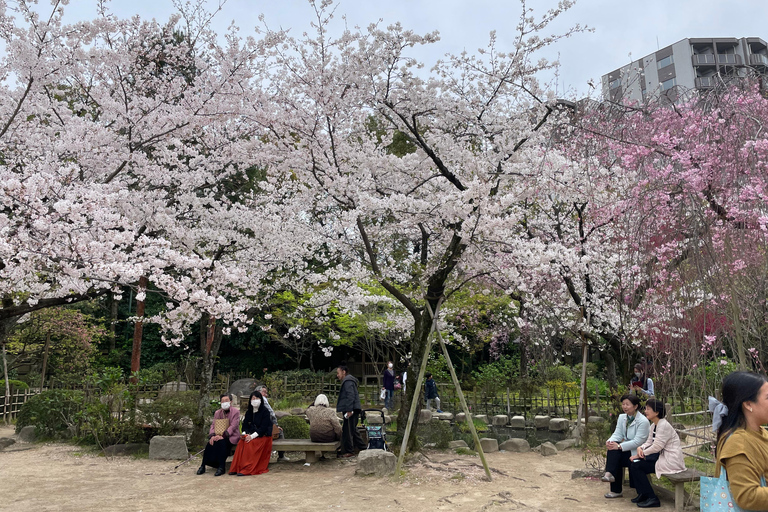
pixel 255 446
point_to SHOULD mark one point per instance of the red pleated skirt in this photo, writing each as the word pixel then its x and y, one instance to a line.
pixel 252 458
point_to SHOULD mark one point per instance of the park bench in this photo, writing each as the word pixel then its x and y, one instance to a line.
pixel 679 479
pixel 305 445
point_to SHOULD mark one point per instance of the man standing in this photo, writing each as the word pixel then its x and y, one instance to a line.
pixel 430 392
pixel 261 388
pixel 388 382
pixel 349 406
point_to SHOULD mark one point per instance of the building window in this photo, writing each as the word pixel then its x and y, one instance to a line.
pixel 615 83
pixel 666 61
pixel 668 84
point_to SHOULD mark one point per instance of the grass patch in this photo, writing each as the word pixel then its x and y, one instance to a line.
pixel 465 451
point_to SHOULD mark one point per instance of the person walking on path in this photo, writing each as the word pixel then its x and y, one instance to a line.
pixel 430 392
pixel 349 405
pixel 388 383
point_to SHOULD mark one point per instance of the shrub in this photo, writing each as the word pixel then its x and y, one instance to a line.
pixel 480 426
pixel 494 376
pixel 55 413
pixel 169 412
pixel 560 373
pixel 15 384
pixel 295 427
pixel 436 431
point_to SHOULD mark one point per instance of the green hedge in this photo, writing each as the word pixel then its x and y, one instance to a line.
pixel 294 427
pixel 15 384
pixel 55 413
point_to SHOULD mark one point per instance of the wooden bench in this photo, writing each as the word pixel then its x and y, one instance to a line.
pixel 305 445
pixel 679 479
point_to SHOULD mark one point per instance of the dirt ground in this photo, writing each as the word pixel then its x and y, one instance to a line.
pixel 60 477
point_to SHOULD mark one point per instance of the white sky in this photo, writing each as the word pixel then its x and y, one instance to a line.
pixel 622 27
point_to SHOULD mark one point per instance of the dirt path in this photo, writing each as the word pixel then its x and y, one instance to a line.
pixel 58 477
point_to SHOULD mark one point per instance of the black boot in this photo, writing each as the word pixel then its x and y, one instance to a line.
pixel 650 503
pixel 219 472
pixel 638 498
pixel 201 470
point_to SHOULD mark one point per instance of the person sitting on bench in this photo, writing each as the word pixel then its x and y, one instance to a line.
pixel 224 433
pixel 324 426
pixel 255 446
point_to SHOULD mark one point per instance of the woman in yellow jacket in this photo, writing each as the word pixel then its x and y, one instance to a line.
pixel 742 444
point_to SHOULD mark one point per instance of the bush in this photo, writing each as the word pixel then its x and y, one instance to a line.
pixel 561 373
pixel 15 384
pixel 55 413
pixel 170 412
pixel 295 427
pixel 480 426
pixel 494 376
pixel 592 370
pixel 436 431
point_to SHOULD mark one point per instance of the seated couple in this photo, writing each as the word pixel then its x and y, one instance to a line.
pixel 644 447
pixel 254 443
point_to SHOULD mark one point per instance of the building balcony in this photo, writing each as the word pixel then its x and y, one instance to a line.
pixel 703 59
pixel 758 59
pixel 710 59
pixel 727 59
pixel 706 82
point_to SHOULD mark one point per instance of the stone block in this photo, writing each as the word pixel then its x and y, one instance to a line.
pixel 517 422
pixel 243 387
pixel 387 419
pixel 172 387
pixel 515 445
pixel 168 448
pixel 482 417
pixel 458 444
pixel 298 411
pixel 596 420
pixel 376 462
pixel 565 444
pixel 125 449
pixel 278 415
pixel 500 420
pixel 5 442
pixel 425 416
pixel 446 416
pixel 461 417
pixel 489 445
pixel 547 449
pixel 27 434
pixel 374 419
pixel 541 421
pixel 559 425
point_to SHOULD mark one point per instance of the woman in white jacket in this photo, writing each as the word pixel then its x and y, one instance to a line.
pixel 661 454
pixel 631 431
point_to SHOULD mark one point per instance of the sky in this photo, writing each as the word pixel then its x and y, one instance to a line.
pixel 623 30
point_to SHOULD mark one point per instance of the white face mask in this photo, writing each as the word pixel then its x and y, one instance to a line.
pixel 255 403
pixel 638 374
pixel 390 365
pixel 225 405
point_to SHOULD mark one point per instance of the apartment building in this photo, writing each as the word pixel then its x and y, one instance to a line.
pixel 687 65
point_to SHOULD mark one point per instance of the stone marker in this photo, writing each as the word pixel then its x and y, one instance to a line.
pixel 489 444
pixel 168 448
pixel 541 421
pixel 460 443
pixel 482 417
pixel 425 416
pixel 548 449
pixel 376 462
pixel 515 445
pixel 559 425
pixel 565 444
pixel 500 420
pixel 27 434
pixel 517 422
pixel 172 387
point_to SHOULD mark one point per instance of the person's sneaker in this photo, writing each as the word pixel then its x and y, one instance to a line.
pixel 614 495
pixel 439 411
pixel 607 477
pixel 201 470
pixel 650 503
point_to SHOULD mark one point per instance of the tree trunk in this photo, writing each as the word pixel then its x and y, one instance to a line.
pixel 4 329
pixel 138 330
pixel 418 346
pixel 45 360
pixel 211 333
pixel 112 322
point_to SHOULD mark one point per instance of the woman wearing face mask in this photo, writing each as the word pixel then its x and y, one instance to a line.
pixel 224 434
pixel 640 382
pixel 631 431
pixel 255 446
pixel 389 385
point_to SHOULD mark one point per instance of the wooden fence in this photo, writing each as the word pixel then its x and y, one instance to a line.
pixel 11 405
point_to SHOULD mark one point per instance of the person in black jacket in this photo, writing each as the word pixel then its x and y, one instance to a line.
pixel 430 392
pixel 255 446
pixel 349 405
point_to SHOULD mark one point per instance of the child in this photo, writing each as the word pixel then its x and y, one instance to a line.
pixel 430 392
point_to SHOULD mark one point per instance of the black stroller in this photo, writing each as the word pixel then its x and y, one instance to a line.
pixel 377 434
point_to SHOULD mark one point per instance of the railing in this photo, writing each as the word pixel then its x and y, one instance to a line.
pixel 703 436
pixel 757 59
pixel 709 59
pixel 729 58
pixel 703 58
pixel 16 399
pixel 706 82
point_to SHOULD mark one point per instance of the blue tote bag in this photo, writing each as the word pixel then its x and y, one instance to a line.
pixel 716 494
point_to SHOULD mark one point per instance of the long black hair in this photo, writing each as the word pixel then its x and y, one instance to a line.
pixel 250 412
pixel 738 387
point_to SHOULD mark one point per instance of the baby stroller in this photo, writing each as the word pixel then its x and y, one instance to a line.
pixel 377 435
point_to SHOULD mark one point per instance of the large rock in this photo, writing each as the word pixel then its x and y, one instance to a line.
pixel 596 420
pixel 515 445
pixel 5 442
pixel 489 445
pixel 482 417
pixel 125 449
pixel 243 387
pixel 376 462
pixel 425 416
pixel 500 420
pixel 565 444
pixel 559 425
pixel 548 449
pixel 172 387
pixel 168 448
pixel 298 411
pixel 458 444
pixel 446 416
pixel 541 421
pixel 461 417
pixel 517 422
pixel 387 419
pixel 280 414
pixel 374 419
pixel 27 434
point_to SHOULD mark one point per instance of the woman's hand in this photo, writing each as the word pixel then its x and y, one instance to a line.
pixel 640 453
pixel 612 445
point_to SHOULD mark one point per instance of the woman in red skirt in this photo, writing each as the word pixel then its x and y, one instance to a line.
pixel 255 445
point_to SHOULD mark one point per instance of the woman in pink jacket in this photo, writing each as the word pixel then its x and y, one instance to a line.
pixel 660 454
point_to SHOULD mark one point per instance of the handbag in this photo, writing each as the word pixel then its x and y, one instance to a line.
pixel 716 494
pixel 275 431
pixel 383 394
pixel 220 426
